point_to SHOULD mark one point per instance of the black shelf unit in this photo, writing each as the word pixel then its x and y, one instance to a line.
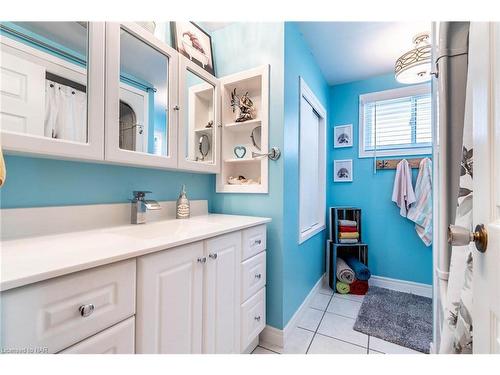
pixel 335 249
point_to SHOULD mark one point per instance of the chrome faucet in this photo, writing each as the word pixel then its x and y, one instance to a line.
pixel 141 205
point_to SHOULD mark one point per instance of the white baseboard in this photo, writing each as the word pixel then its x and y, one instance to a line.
pixel 278 337
pixel 402 286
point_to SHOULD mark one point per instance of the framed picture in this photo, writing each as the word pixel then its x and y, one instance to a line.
pixel 342 136
pixel 194 43
pixel 342 170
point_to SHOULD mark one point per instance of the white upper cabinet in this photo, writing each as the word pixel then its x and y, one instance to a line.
pixel 141 98
pixel 117 92
pixel 199 119
pixel 52 88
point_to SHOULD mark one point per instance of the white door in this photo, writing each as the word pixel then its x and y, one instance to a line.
pixel 484 70
pixel 169 300
pixel 22 95
pixel 221 311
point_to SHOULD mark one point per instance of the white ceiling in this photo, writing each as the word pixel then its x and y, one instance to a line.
pixel 351 51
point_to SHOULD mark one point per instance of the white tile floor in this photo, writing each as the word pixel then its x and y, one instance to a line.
pixel 326 328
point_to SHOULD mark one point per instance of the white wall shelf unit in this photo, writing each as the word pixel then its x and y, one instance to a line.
pixel 256 83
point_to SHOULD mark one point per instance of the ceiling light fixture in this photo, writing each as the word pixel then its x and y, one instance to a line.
pixel 415 65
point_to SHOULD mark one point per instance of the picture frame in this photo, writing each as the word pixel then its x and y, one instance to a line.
pixel 342 136
pixel 194 43
pixel 343 170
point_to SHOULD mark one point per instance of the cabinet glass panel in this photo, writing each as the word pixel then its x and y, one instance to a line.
pixel 43 82
pixel 143 97
pixel 199 119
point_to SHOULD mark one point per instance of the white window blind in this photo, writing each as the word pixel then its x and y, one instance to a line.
pixel 398 122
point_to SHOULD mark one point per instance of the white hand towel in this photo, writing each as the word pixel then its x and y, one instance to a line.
pixel 402 192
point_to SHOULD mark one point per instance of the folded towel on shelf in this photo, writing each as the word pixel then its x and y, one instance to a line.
pixel 360 270
pixel 348 223
pixel 342 288
pixel 348 240
pixel 359 287
pixel 343 228
pixel 348 235
pixel 344 272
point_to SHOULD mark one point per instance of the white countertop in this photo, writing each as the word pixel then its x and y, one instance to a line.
pixel 28 260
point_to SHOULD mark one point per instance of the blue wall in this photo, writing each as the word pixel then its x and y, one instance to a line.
pixel 395 250
pixel 36 182
pixel 237 47
pixel 303 264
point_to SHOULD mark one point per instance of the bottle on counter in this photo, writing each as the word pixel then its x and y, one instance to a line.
pixel 183 209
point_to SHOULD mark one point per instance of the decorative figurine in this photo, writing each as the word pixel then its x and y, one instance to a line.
pixel 183 210
pixel 245 105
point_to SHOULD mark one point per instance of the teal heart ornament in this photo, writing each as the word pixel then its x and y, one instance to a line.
pixel 240 151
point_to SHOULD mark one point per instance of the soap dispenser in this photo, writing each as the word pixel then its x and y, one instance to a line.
pixel 183 209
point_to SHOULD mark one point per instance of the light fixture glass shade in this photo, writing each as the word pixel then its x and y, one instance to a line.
pixel 415 65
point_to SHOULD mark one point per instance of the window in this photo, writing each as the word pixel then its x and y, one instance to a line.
pixel 312 164
pixel 396 122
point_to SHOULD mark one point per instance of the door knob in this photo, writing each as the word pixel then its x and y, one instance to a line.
pixel 460 236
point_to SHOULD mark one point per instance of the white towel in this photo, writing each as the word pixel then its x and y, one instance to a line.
pixel 421 212
pixel 402 192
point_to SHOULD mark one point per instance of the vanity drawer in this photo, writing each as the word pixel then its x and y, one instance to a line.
pixel 118 339
pixel 254 241
pixel 253 317
pixel 48 314
pixel 253 275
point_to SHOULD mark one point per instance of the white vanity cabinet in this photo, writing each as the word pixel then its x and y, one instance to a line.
pixel 55 314
pixel 169 300
pixel 204 293
pixel 189 299
pixel 221 313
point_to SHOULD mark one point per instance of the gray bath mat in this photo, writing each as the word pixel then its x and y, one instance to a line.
pixel 401 318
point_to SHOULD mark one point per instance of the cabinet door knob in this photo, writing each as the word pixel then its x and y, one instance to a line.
pixel 176 108
pixel 257 242
pixel 257 318
pixel 258 276
pixel 212 256
pixel 86 310
pixel 202 260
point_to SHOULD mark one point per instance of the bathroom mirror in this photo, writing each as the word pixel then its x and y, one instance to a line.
pixel 255 136
pixel 44 79
pixel 204 146
pixel 143 104
pixel 198 118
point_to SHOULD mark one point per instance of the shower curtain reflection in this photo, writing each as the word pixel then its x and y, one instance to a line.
pixel 65 112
